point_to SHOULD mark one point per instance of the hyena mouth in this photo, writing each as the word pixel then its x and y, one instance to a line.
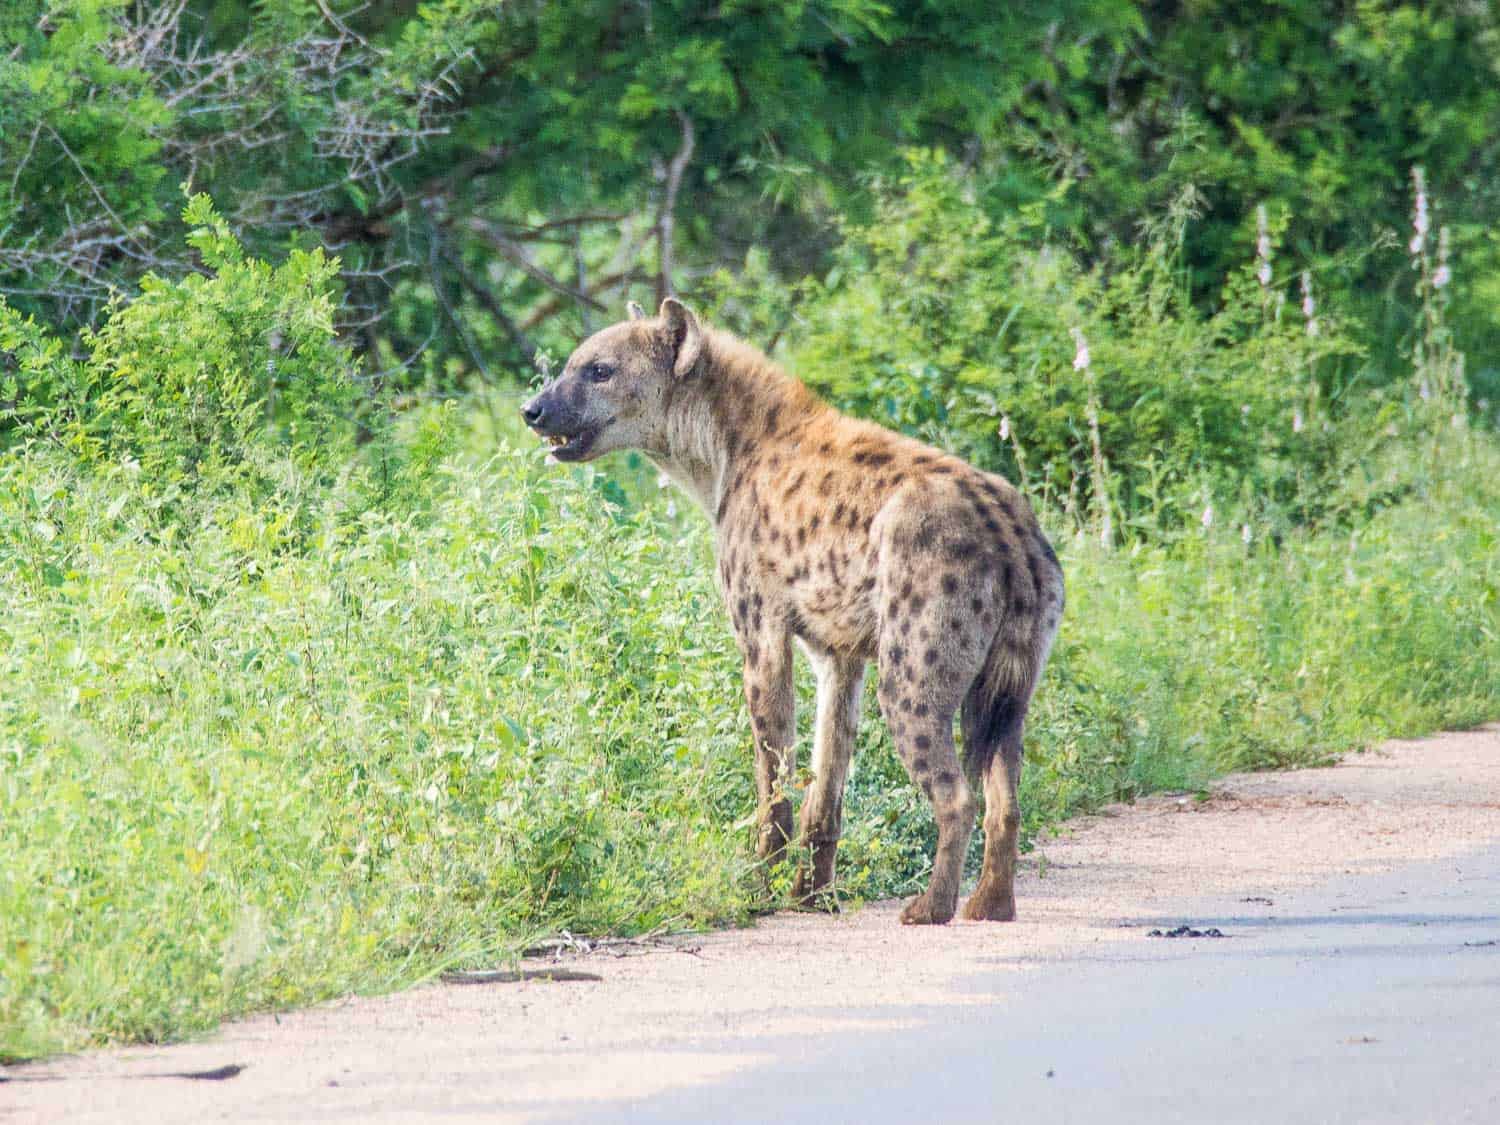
pixel 572 447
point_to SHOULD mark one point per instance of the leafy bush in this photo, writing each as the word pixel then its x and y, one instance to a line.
pixel 220 375
pixel 196 372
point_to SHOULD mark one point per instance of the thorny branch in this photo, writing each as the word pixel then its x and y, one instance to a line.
pixel 227 105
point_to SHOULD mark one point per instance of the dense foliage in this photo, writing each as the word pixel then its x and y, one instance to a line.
pixel 495 177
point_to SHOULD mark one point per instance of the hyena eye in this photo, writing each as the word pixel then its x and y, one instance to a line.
pixel 598 372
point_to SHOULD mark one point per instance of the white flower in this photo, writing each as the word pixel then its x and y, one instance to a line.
pixel 1245 410
pixel 1245 534
pixel 1297 422
pixel 1442 275
pixel 1419 221
pixel 1424 390
pixel 1208 516
pixel 1309 306
pixel 1005 427
pixel 1262 245
pixel 1081 359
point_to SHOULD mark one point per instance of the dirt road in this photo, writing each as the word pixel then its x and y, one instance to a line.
pixel 1359 980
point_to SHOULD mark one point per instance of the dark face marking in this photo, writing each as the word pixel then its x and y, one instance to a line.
pixel 923 742
pixel 950 584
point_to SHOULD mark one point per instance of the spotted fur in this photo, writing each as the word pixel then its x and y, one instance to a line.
pixel 857 544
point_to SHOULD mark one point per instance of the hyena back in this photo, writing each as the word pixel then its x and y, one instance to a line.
pixel 857 544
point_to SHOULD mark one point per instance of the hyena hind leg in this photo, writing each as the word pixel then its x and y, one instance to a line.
pixel 925 744
pixel 992 738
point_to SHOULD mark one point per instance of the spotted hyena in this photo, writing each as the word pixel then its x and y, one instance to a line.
pixel 856 543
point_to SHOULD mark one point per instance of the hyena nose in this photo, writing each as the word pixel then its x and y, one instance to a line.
pixel 534 412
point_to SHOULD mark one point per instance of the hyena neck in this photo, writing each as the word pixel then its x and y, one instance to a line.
pixel 732 411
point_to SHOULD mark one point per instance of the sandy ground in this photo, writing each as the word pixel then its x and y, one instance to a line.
pixel 701 1010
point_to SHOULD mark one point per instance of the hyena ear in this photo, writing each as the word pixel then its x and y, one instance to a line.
pixel 684 336
pixel 635 310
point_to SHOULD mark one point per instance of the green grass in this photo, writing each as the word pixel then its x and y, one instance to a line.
pixel 256 752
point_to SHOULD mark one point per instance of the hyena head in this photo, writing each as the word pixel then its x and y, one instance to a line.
pixel 614 391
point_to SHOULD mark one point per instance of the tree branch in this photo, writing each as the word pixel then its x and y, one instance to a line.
pixel 666 218
pixel 517 254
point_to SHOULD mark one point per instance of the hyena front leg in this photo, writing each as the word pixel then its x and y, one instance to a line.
pixel 773 723
pixel 840 686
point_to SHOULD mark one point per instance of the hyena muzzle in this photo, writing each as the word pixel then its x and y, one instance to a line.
pixel 858 544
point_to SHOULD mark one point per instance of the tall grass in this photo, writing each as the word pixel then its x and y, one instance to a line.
pixel 236 776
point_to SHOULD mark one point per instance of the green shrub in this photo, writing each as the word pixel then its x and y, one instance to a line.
pixel 197 372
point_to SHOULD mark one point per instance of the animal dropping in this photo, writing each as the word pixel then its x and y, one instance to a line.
pixel 856 545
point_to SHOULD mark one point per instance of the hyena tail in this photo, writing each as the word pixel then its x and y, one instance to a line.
pixel 994 709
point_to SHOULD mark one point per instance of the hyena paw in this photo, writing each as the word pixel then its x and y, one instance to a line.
pixel 922 911
pixel 987 906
